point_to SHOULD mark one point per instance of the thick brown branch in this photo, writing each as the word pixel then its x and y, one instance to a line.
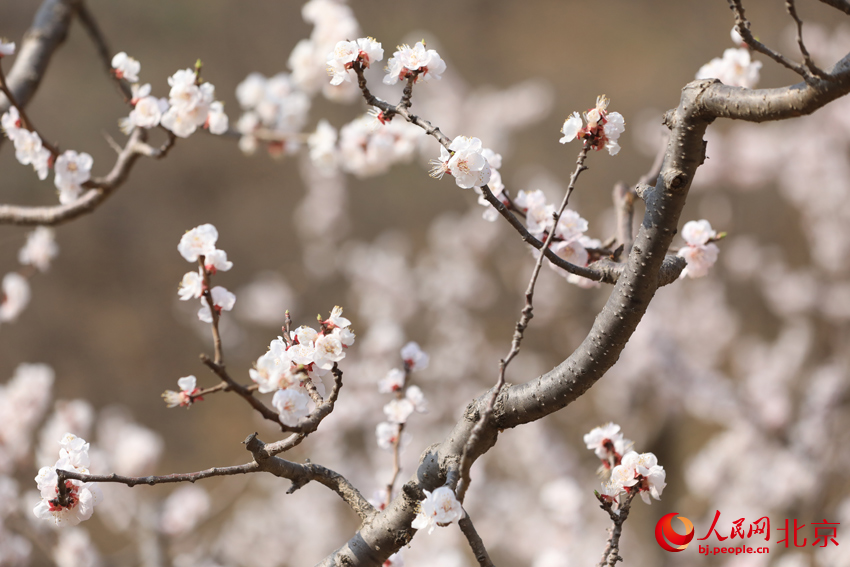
pixel 701 103
pixel 519 332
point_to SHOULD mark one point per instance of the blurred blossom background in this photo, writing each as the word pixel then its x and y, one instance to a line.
pixel 738 381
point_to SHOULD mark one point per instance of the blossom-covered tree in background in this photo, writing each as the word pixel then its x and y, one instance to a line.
pixel 352 389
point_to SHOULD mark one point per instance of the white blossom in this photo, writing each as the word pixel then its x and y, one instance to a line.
pixel 223 300
pixel 440 508
pixel 199 241
pixel 700 258
pixel 216 261
pixel 392 382
pixel 11 122
pixel 29 150
pixel 14 297
pixel 126 67
pixel 571 128
pixel 72 170
pixel 82 496
pixel 414 357
pixel 698 232
pixel 6 48
pixel 397 411
pixel 414 61
pixel 188 387
pixel 292 405
pixel 75 549
pixel 417 398
pixel 387 434
pixel 465 162
pixel 328 350
pixel 40 249
pixel 601 439
pixel 184 509
pixel 191 286
pixel 146 114
pixel 735 69
pixel 217 120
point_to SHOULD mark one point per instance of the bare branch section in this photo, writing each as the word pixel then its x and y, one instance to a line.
pixel 742 25
pixel 99 188
pixel 701 103
pixel 475 541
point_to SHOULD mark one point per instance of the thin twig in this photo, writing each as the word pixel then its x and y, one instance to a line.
pixel 519 333
pixel 131 481
pixel 611 555
pixel 104 53
pixel 742 25
pixel 610 275
pixel 475 541
pixel 807 59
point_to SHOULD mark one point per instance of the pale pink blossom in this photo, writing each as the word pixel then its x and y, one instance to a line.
pixel 387 434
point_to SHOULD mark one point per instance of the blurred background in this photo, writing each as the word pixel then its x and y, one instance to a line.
pixel 719 377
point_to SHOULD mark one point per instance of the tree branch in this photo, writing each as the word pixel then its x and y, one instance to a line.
pixel 701 102
pixel 149 480
pixel 302 474
pixel 519 332
pixel 475 541
pixel 104 53
pixel 611 555
pixel 100 188
pixel 842 5
pixel 48 31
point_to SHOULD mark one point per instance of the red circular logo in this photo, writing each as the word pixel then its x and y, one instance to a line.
pixel 664 532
